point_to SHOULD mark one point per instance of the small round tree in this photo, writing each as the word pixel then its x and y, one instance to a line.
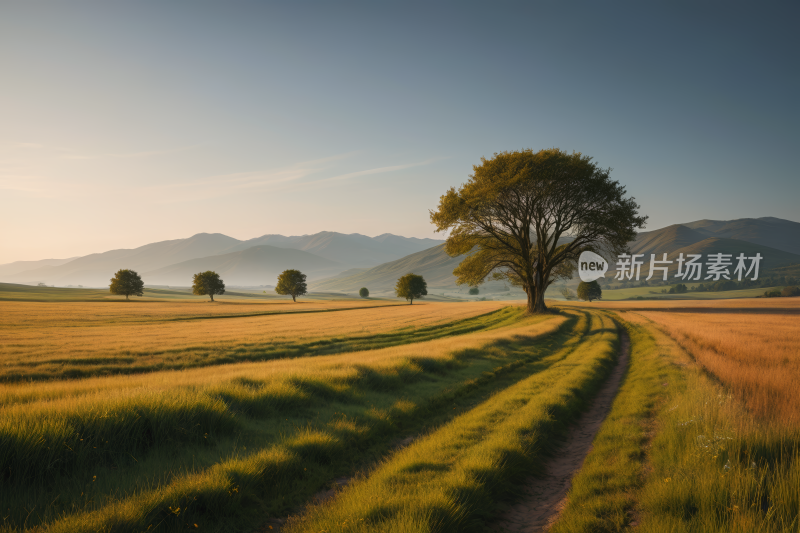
pixel 474 290
pixel 411 286
pixel 292 283
pixel 364 292
pixel 209 283
pixel 589 291
pixel 126 283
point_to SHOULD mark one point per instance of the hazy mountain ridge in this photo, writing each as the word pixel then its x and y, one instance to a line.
pixel 16 267
pixel 344 251
pixel 257 265
pixel 340 262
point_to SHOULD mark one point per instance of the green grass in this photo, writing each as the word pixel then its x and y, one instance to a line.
pixel 648 293
pixel 678 453
pixel 31 293
pixel 717 469
pixel 227 455
pixel 602 495
pixel 452 479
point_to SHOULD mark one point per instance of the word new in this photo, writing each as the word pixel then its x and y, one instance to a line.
pixel 690 267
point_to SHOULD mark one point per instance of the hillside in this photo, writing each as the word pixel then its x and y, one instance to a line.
pixel 352 250
pixel 768 231
pixel 772 258
pixel 666 240
pixel 433 264
pixel 16 267
pixel 258 265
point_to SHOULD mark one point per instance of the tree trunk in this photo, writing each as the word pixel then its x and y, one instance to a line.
pixel 212 297
pixel 126 297
pixel 294 299
pixel 536 301
pixel 412 301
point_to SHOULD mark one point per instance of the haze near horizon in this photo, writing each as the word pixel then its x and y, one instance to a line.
pixel 128 124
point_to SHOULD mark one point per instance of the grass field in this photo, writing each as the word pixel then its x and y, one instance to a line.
pixel 654 293
pixel 172 414
pixel 41 341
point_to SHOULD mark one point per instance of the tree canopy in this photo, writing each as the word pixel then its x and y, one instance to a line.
pixel 474 290
pixel 292 283
pixel 364 292
pixel 126 283
pixel 526 216
pixel 589 291
pixel 209 283
pixel 411 286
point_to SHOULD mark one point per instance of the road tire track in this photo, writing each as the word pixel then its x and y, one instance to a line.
pixel 544 498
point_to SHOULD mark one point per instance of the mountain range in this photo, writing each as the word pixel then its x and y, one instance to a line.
pixel 249 262
pixel 341 262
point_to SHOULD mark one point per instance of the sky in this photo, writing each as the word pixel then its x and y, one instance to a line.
pixel 125 123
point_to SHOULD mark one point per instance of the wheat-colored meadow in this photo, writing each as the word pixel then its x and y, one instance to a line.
pixel 132 449
pixel 53 340
pixel 751 345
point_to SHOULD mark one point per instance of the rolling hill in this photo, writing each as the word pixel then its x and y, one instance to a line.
pixel 9 269
pixel 767 231
pixel 433 264
pixel 772 258
pixel 257 265
pixel 666 240
pixel 352 250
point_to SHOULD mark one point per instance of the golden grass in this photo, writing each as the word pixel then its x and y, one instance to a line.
pixel 148 336
pixel 757 356
pixel 333 367
pixel 35 314
pixel 790 305
pixel 381 390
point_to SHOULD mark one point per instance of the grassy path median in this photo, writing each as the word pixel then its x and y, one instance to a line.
pixel 451 479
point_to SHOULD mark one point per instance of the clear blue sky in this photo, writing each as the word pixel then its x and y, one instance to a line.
pixel 128 123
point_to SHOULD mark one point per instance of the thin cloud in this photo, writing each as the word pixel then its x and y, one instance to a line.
pixel 131 155
pixel 286 179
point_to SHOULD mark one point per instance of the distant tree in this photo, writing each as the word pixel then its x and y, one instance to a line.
pixel 473 290
pixel 525 217
pixel 126 283
pixel 589 291
pixel 772 294
pixel 40 284
pixel 411 286
pixel 567 293
pixel 790 291
pixel 364 292
pixel 209 283
pixel 291 283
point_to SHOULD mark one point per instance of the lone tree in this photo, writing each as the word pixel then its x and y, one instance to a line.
pixel 126 283
pixel 474 290
pixel 209 283
pixel 589 291
pixel 411 286
pixel 364 292
pixel 291 282
pixel 526 217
